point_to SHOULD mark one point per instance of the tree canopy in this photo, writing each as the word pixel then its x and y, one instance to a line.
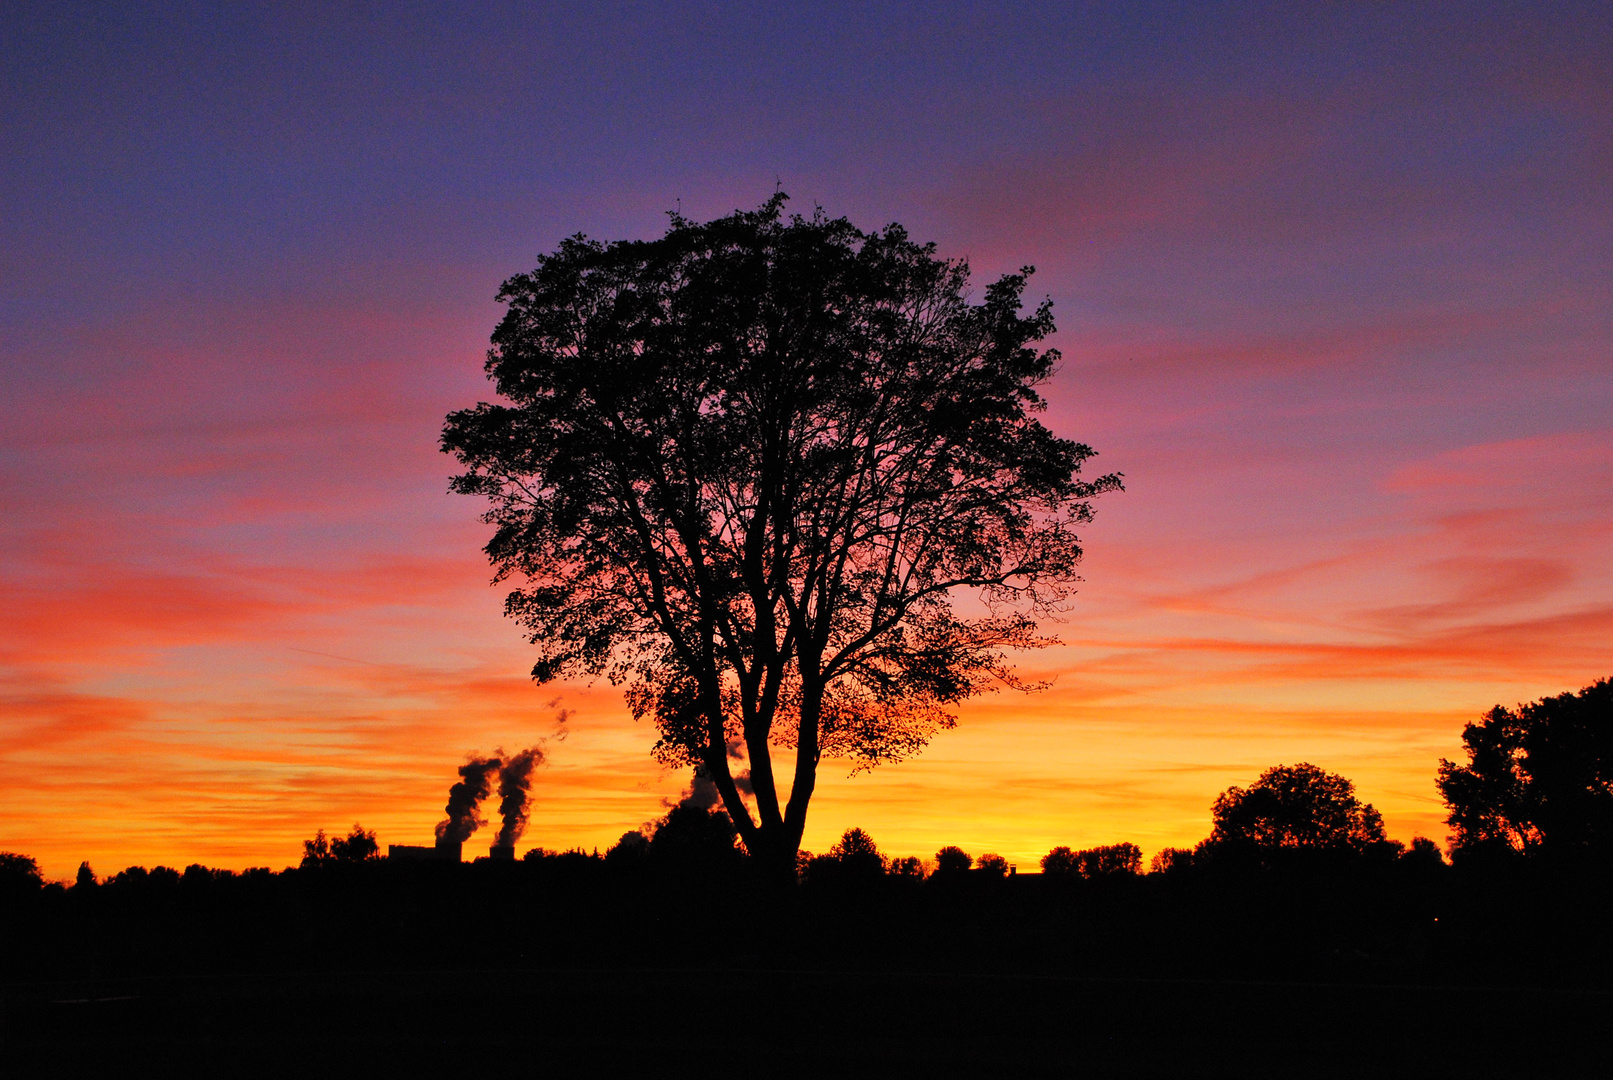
pixel 19 874
pixel 1109 860
pixel 746 469
pixel 1538 778
pixel 359 845
pixel 952 860
pixel 1294 808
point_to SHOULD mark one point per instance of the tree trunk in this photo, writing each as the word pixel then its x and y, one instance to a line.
pixel 806 766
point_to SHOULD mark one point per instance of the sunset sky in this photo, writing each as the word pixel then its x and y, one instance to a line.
pixel 1334 286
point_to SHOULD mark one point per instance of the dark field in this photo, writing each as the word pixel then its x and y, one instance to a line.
pixel 571 963
pixel 802 1023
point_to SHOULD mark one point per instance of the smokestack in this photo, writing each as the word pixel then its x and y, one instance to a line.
pixel 465 801
pixel 514 782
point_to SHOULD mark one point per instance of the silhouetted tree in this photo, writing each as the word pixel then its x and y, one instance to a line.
pixel 1422 852
pixel 357 846
pixel 632 847
pixel 693 838
pixel 85 878
pixel 992 865
pixel 952 860
pixel 1096 862
pixel 1110 860
pixel 19 874
pixel 1294 808
pixel 1060 862
pixel 745 467
pixel 130 876
pixel 1537 778
pixel 317 850
pixel 858 855
pixel 1170 860
pixel 907 867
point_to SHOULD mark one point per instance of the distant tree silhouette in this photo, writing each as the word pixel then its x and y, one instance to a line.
pixel 692 838
pixel 316 850
pixel 1097 862
pixel 853 858
pixel 1060 862
pixel 992 865
pixel 744 468
pixel 130 876
pixel 1423 851
pixel 1538 778
pixel 1294 808
pixel 858 855
pixel 952 860
pixel 19 874
pixel 1170 860
pixel 359 845
pixel 85 878
pixel 907 868
pixel 633 846
pixel 1111 860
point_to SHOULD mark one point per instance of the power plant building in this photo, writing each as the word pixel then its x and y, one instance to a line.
pixel 443 852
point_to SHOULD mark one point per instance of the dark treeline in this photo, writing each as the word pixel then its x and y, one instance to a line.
pixel 1295 886
pixel 1350 965
pixel 1296 880
pixel 1323 916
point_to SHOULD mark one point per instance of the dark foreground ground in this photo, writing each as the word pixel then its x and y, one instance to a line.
pixel 572 966
pixel 784 1023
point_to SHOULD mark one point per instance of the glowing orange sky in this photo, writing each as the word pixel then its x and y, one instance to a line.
pixel 1335 297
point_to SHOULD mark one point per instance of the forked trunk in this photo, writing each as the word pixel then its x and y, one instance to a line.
pixel 773 842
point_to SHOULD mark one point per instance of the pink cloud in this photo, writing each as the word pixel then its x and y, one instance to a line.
pixel 1516 466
